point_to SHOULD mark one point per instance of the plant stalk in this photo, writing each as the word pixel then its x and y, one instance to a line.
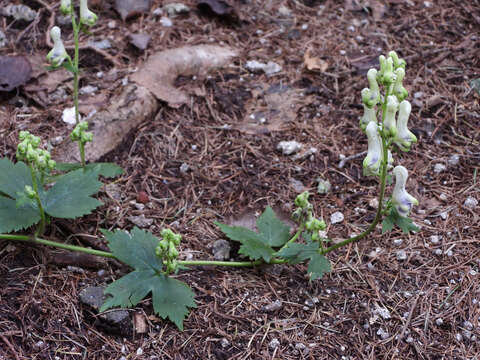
pixel 41 226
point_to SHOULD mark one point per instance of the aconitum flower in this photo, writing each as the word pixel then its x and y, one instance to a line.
pixel 371 96
pixel 87 17
pixel 397 62
pixel 404 137
pixel 369 115
pixel 400 92
pixel 401 199
pixel 390 125
pixel 66 7
pixel 373 161
pixel 58 54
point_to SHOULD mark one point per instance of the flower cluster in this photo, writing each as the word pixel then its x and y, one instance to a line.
pixel 392 129
pixel 304 213
pixel 28 151
pixel 167 249
pixel 80 133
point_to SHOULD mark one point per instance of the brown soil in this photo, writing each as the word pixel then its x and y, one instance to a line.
pixel 433 295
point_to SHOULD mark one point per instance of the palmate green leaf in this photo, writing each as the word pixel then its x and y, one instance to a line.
pixel 14 218
pixel 272 232
pixel 70 196
pixel 296 253
pixel 171 298
pixel 404 223
pixel 13 177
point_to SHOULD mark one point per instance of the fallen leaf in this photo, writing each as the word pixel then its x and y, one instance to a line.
pixel 314 63
pixel 128 8
pixel 158 74
pixel 217 7
pixel 140 41
pixel 14 72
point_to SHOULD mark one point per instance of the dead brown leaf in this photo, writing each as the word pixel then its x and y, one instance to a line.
pixel 314 63
pixel 128 8
pixel 14 72
pixel 158 74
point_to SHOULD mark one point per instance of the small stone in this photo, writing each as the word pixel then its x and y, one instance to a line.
pixel 438 252
pixel 141 221
pixel 57 140
pixel 272 68
pixel 165 21
pixel 274 306
pixel 300 346
pixel 139 351
pixel 383 334
pixel 435 239
pixel 101 273
pixel 427 4
pixel 39 345
pixel 336 217
pixel 444 215
pixel 112 24
pixel 224 343
pixel 373 203
pixel 438 168
pixel 467 334
pixel 284 11
pixel 297 185
pixel 468 325
pixel 324 186
pixel 88 90
pixel 68 116
pixel 221 250
pixel 304 26
pixel 184 168
pixel 64 20
pixel 101 44
pixel 3 40
pixel 459 337
pixel 470 202
pixel 418 95
pixel 174 9
pixel 409 340
pixel 140 40
pixel 449 253
pixel 453 160
pixel 383 312
pixel 401 255
pixel 274 343
pixel 398 242
pixel 268 68
pixel 114 191
pixel 19 12
pixel 289 147
pixel 473 272
pixel 157 12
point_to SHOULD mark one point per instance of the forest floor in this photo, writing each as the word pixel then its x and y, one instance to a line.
pixel 215 158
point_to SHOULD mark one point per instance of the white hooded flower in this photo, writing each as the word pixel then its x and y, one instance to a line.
pixel 87 17
pixel 369 115
pixel 400 92
pixel 371 96
pixel 401 199
pixel 404 137
pixel 390 124
pixel 58 54
pixel 373 160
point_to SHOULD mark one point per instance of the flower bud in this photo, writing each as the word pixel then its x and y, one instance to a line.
pixel 87 17
pixel 404 137
pixel 58 54
pixel 374 89
pixel 390 125
pixel 86 137
pixel 369 115
pixel 397 62
pixel 400 92
pixel 302 200
pixel 401 199
pixel 29 192
pixel 66 7
pixel 373 160
pixel 22 135
pixel 51 164
pixel 388 76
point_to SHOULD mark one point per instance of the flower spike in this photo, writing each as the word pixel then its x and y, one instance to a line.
pixel 87 17
pixel 58 54
pixel 373 160
pixel 404 137
pixel 401 199
pixel 390 123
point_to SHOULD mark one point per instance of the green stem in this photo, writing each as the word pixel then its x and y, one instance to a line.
pixel 81 148
pixel 230 263
pixel 41 226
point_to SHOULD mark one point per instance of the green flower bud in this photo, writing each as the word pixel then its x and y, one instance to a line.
pixel 397 62
pixel 83 125
pixel 35 141
pixel 30 192
pixel 87 17
pixel 404 137
pixel 390 124
pixel 315 236
pixel 388 76
pixel 383 65
pixel 172 252
pixel 66 7
pixel 401 199
pixel 41 162
pixel 400 92
pixel 302 200
pixel 22 135
pixel 32 155
pixel 163 245
pixel 58 54
pixel 51 164
pixel 177 238
pixel 86 137
pixel 373 160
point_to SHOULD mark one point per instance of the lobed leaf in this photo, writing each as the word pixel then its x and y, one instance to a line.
pixel 14 177
pixel 404 223
pixel 14 218
pixel 108 170
pixel 171 298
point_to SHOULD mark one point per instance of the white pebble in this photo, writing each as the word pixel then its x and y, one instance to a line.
pixel 439 321
pixel 453 160
pixel 165 21
pixel 398 242
pixel 470 202
pixel 438 168
pixel 336 217
pixel 382 333
pixel 401 255
pixel 289 147
pixel 274 344
pixel 434 239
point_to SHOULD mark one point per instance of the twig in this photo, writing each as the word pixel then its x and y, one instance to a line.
pixel 342 162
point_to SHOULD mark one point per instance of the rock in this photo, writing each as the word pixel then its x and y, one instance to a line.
pixel 269 68
pixel 470 202
pixel 284 11
pixel 165 21
pixel 3 40
pixel 273 344
pixel 184 168
pixel 68 116
pixel 19 12
pixel 323 186
pixel 224 343
pixel 174 9
pixel 94 297
pixel 140 40
pixel 336 217
pixel 383 312
pixel 272 68
pixel 401 255
pixel 112 24
pixel 102 44
pixel 453 160
pixel 297 185
pixel 439 321
pixel 289 147
pixel 274 306
pixel 88 90
pixel 398 242
pixel 435 239
pixel 438 168
pixel 221 250
pixel 444 215
pixel 373 203
pixel 383 334
pixel 141 221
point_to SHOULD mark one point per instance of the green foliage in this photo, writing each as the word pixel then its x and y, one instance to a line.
pixel 107 170
pixel 171 298
pixel 272 232
pixel 296 253
pixel 403 223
